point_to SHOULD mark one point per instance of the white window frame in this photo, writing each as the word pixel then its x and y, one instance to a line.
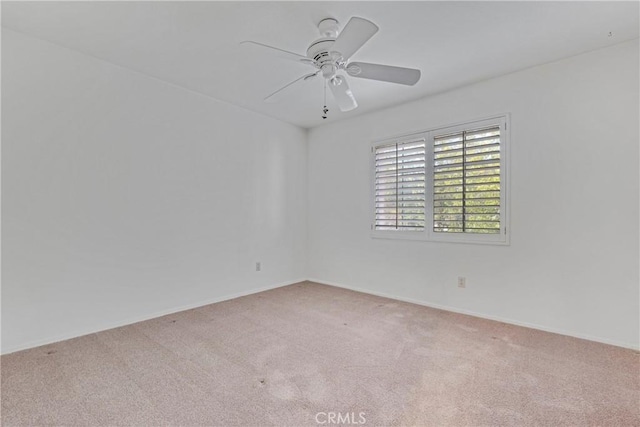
pixel 502 238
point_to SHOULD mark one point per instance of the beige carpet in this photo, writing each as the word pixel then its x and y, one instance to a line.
pixel 294 355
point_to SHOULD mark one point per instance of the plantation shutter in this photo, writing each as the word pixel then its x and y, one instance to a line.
pixel 466 181
pixel 400 186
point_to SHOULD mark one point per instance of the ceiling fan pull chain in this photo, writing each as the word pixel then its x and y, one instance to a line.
pixel 325 110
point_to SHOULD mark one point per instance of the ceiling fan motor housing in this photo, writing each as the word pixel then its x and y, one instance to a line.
pixel 320 52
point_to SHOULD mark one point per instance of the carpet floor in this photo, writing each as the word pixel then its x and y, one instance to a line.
pixel 309 355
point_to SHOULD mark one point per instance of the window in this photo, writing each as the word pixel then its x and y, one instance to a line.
pixel 399 185
pixel 447 184
pixel 466 181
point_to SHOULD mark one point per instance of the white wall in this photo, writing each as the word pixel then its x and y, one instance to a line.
pixel 573 262
pixel 125 197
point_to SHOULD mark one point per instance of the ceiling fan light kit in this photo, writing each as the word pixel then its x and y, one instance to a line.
pixel 331 53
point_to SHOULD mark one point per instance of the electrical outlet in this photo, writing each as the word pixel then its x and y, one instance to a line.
pixel 462 282
pixel 258 266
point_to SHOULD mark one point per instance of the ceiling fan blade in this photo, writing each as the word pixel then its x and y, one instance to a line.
pixel 265 48
pixel 274 98
pixel 385 73
pixel 353 36
pixel 342 94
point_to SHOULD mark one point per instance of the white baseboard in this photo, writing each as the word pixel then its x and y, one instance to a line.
pixel 87 331
pixel 482 315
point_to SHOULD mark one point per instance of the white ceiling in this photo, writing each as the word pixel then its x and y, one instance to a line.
pixel 195 44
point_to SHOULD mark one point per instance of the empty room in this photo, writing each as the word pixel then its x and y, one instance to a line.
pixel 320 213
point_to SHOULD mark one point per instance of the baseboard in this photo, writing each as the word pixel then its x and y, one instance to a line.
pixel 79 333
pixel 88 331
pixel 482 315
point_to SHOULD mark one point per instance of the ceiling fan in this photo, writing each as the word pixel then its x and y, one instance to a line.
pixel 331 54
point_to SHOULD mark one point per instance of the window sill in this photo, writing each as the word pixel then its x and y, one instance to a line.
pixel 501 240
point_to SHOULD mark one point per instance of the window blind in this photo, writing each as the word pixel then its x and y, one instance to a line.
pixel 400 186
pixel 466 182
